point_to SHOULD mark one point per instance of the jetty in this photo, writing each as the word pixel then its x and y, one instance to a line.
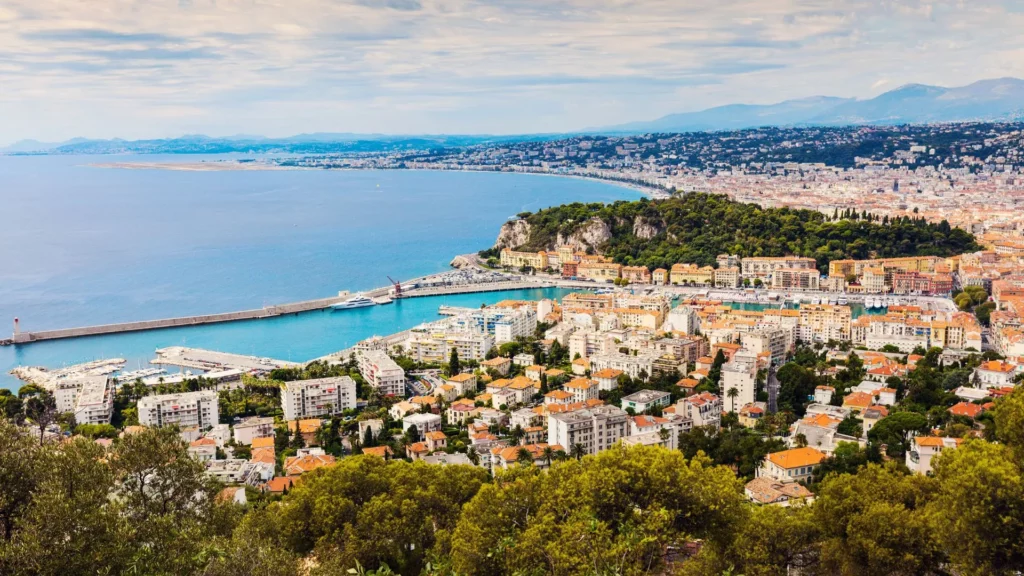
pixel 451 282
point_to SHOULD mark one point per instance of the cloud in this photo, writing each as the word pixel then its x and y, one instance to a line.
pixel 120 67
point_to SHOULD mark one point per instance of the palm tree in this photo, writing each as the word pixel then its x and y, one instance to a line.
pixel 549 453
pixel 733 393
pixel 561 456
pixel 524 457
pixel 578 451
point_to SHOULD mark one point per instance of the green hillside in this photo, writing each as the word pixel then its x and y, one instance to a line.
pixel 698 227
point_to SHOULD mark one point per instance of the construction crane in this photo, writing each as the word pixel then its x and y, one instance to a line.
pixel 398 287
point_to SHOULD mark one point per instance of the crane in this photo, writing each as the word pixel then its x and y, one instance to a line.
pixel 398 287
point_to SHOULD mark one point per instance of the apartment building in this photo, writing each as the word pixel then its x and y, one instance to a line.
pixel 796 279
pixel 634 366
pixel 775 342
pixel 766 267
pixel 95 401
pixel 589 301
pixel 728 277
pixel 595 429
pixel 382 373
pixel 740 374
pixel 824 322
pixel 185 409
pixel 435 347
pixel 638 318
pixel 922 283
pixel 691 274
pixel 504 323
pixel 683 350
pixel 704 409
pixel 318 398
pixel 513 259
pixel 600 271
pixel 636 274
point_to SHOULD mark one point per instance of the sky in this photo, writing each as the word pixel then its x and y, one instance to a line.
pixel 162 68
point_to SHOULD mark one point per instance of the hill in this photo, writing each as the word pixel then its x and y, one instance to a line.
pixel 698 227
pixel 987 100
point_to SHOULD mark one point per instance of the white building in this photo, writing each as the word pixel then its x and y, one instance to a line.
pixel 683 319
pixel 741 374
pixel 505 324
pixel 253 427
pixel 791 465
pixel 185 409
pixel 639 366
pixel 645 400
pixel 438 346
pixel 318 398
pixel 924 448
pixel 774 341
pixel 595 429
pixel 996 374
pixel 704 409
pixel 381 372
pixel 95 402
pixel 423 422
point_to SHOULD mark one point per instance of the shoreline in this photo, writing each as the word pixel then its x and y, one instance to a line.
pixel 235 165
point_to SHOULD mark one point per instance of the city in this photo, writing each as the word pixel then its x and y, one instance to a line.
pixel 463 288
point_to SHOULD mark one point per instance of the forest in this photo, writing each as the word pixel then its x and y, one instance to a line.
pixel 696 228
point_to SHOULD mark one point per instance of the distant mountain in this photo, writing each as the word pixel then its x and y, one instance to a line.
pixel 987 100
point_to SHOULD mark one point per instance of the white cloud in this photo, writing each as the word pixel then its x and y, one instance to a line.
pixel 135 68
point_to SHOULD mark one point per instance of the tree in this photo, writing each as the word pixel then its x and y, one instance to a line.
pixel 524 457
pixel 454 367
pixel 872 523
pixel 980 508
pixel 413 434
pixel 896 430
pixel 577 451
pixel 368 439
pixel 41 409
pixel 733 393
pixel 1009 420
pixel 715 373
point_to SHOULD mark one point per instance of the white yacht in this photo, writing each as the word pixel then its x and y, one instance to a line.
pixel 843 301
pixel 358 301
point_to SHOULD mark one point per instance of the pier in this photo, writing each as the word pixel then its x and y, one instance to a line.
pixel 433 285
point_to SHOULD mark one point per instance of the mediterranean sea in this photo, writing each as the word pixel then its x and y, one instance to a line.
pixel 81 245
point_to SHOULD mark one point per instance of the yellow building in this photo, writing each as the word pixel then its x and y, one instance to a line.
pixel 796 278
pixel 764 267
pixel 659 276
pixel 514 259
pixel 638 318
pixel 588 301
pixel 727 277
pixel 636 274
pixel 599 270
pixel 692 274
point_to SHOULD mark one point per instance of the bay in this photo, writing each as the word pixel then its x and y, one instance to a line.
pixel 82 245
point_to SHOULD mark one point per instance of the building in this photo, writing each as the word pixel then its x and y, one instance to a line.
pixel 436 347
pixel 771 492
pixel 185 409
pixel 740 374
pixel 582 389
pixel 599 271
pixel 704 409
pixel 423 422
pixel 922 283
pixel 924 448
pixel 766 267
pixel 636 274
pixel 824 322
pixel 774 342
pixel 504 323
pixel 996 374
pixel 796 279
pixel 589 301
pixel 513 259
pixel 691 274
pixel 595 429
pixel 640 366
pixel 382 373
pixel 728 277
pixel 251 428
pixel 95 401
pixel 318 398
pixel 646 400
pixel 794 465
pixel 499 364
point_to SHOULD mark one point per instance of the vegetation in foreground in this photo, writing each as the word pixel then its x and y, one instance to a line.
pixel 143 506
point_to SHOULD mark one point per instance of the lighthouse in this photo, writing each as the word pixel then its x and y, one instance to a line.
pixel 17 329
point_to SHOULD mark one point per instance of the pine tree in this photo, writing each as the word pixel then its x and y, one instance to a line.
pixel 454 367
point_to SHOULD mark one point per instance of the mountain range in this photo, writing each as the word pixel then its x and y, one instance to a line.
pixel 999 99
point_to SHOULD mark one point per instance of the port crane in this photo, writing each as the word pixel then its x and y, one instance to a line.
pixel 398 287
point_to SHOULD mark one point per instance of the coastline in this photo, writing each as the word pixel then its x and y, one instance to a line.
pixel 235 165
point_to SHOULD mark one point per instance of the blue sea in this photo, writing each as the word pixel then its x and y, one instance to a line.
pixel 81 245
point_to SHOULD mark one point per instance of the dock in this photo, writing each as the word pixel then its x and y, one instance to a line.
pixel 265 312
pixel 209 360
pixel 433 285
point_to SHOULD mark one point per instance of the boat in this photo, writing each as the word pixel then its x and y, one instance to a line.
pixel 382 300
pixel 843 301
pixel 357 301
